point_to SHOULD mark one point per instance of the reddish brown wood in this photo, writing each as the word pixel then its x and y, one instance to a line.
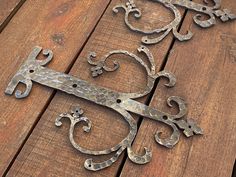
pixel 7 9
pixel 48 150
pixel 205 71
pixel 62 26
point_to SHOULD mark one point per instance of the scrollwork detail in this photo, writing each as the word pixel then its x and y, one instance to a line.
pixel 24 75
pixel 175 122
pixel 32 70
pixel 212 12
pixel 76 116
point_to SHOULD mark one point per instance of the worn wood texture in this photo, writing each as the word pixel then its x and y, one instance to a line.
pixel 7 9
pixel 205 71
pixel 48 150
pixel 62 26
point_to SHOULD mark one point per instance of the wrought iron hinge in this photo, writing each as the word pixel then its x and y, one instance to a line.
pixel 212 12
pixel 123 103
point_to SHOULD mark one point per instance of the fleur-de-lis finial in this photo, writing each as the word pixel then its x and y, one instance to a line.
pixel 33 70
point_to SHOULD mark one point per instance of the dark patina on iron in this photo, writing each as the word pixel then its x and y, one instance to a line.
pixel 33 70
pixel 211 12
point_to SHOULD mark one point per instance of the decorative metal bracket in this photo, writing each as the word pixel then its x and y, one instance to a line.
pixel 212 12
pixel 34 70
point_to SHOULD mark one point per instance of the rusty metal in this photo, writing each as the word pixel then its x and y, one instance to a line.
pixel 212 12
pixel 33 70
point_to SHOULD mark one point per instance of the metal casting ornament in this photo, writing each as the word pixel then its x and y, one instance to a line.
pixel 123 103
pixel 212 12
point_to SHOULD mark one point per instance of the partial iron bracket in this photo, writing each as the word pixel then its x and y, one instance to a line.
pixel 123 103
pixel 212 12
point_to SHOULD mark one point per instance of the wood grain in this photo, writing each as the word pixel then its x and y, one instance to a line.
pixel 62 26
pixel 48 150
pixel 205 71
pixel 7 9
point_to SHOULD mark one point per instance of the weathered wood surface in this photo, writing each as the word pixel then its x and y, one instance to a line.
pixel 48 150
pixel 7 9
pixel 206 78
pixel 62 26
pixel 205 73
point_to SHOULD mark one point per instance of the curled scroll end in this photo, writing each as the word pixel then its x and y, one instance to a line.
pixel 100 66
pixel 216 5
pixel 140 159
pixel 181 106
pixel 181 103
pixel 169 76
pixel 204 23
pixel 19 94
pixel 58 122
pixel 168 142
pixel 182 37
pixel 36 51
pixel 116 65
pixel 19 78
pixel 137 13
pixel 47 53
pixel 90 58
pixel 87 127
pixel 117 7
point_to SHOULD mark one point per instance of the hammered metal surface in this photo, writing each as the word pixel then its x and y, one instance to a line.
pixel 211 12
pixel 123 103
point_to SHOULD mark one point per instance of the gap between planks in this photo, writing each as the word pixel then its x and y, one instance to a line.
pixel 161 63
pixel 151 94
pixel 53 94
pixel 202 32
pixel 11 15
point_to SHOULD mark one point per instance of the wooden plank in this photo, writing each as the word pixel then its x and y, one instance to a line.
pixel 62 26
pixel 205 71
pixel 7 9
pixel 48 150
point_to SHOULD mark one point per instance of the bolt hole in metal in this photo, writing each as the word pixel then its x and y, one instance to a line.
pixel 74 85
pixel 70 84
pixel 165 117
pixel 210 10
